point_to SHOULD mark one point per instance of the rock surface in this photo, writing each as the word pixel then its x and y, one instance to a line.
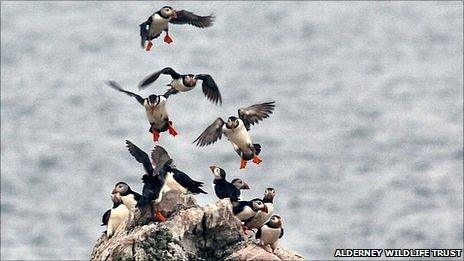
pixel 191 232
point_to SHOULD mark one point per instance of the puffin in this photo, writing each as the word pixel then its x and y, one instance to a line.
pixel 160 20
pixel 154 184
pixel 224 188
pixel 155 108
pixel 114 217
pixel 236 130
pixel 126 195
pixel 175 179
pixel 246 210
pixel 261 217
pixel 270 233
pixel 185 83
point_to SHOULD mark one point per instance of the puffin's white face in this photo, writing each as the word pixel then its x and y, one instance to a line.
pixel 276 220
pixel 269 192
pixel 120 188
pixel 190 80
pixel 216 172
pixel 167 11
pixel 259 205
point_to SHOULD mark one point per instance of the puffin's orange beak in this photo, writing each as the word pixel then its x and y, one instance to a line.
pixel 114 191
pixel 265 210
pixel 245 186
pixel 212 168
pixel 174 14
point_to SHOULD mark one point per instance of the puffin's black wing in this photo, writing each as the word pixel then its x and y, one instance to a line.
pixel 106 217
pixel 281 232
pixel 239 207
pixel 211 134
pixel 118 87
pixel 151 190
pixel 255 113
pixel 140 156
pixel 185 181
pixel 159 157
pixel 210 88
pixel 186 17
pixel 153 77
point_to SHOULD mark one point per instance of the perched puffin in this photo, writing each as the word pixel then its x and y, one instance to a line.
pixel 185 83
pixel 114 217
pixel 155 108
pixel 261 217
pixel 159 22
pixel 154 186
pixel 126 195
pixel 270 233
pixel 224 188
pixel 236 130
pixel 246 210
pixel 174 178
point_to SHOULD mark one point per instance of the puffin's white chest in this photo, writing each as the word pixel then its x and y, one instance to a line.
pixel 157 113
pixel 163 190
pixel 178 84
pixel 158 25
pixel 129 201
pixel 261 217
pixel 117 217
pixel 173 184
pixel 238 136
pixel 269 235
pixel 246 213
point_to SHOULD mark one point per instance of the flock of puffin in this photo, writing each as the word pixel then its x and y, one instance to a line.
pixel 161 175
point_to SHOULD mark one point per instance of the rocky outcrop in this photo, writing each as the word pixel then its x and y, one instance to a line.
pixel 190 233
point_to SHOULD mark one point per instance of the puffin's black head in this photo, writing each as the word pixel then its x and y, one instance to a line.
pixel 240 184
pixel 153 100
pixel 189 80
pixel 258 204
pixel 232 123
pixel 168 12
pixel 218 172
pixel 275 221
pixel 122 188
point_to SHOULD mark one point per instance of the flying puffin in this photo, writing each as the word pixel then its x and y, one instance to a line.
pixel 270 233
pixel 159 22
pixel 174 178
pixel 114 217
pixel 261 218
pixel 185 83
pixel 154 185
pixel 236 130
pixel 224 188
pixel 126 195
pixel 155 108
pixel 246 210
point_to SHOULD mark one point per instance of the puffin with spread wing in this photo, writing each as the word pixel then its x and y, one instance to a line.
pixel 236 130
pixel 155 108
pixel 160 20
pixel 185 83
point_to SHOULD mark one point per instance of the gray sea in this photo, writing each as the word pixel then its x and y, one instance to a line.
pixel 365 147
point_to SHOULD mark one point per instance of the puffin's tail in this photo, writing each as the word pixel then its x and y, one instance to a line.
pixel 197 190
pixel 257 148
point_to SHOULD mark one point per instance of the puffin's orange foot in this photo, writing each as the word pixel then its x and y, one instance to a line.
pixel 257 159
pixel 171 129
pixel 149 46
pixel 156 136
pixel 245 229
pixel 243 163
pixel 159 217
pixel 167 39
